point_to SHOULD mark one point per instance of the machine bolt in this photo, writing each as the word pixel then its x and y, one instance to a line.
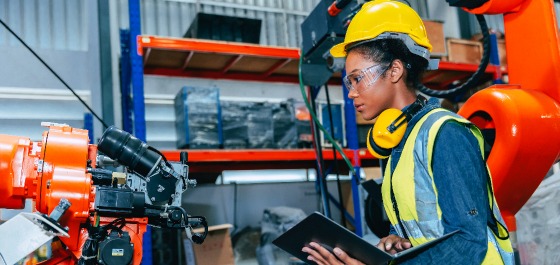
pixel 191 183
pixel 39 166
pixel 48 184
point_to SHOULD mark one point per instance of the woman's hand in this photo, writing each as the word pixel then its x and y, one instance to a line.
pixel 322 256
pixel 393 244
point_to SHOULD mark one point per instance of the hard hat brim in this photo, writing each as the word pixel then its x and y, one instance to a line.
pixel 339 50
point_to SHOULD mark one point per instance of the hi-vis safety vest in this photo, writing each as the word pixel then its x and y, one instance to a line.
pixel 416 195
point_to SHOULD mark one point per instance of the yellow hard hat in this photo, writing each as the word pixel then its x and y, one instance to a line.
pixel 379 16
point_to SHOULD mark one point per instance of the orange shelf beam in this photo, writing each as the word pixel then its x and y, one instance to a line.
pixel 207 46
pixel 219 155
pixel 147 45
pixel 265 77
pixel 219 160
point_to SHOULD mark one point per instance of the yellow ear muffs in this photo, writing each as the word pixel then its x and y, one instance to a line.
pixel 386 133
pixel 374 149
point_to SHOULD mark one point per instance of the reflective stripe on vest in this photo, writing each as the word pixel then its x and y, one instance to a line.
pixel 414 188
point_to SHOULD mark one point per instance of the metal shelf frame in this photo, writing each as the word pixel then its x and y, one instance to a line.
pixel 136 76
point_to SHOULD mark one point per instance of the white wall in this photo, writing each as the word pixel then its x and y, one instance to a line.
pixel 64 33
pixel 440 10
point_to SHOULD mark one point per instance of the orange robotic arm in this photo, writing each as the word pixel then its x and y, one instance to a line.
pixel 107 208
pixel 525 114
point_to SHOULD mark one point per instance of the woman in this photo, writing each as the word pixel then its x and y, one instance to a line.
pixel 436 180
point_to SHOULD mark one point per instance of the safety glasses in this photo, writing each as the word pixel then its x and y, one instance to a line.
pixel 363 78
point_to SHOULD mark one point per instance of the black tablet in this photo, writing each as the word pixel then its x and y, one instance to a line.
pixel 318 228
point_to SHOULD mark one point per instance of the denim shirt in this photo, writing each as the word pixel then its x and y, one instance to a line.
pixel 461 180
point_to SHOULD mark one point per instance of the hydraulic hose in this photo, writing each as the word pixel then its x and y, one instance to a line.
pixel 475 77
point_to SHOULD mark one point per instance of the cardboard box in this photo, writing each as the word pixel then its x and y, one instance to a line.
pixel 501 45
pixel 434 29
pixel 216 249
pixel 348 201
pixel 464 51
pixel 372 172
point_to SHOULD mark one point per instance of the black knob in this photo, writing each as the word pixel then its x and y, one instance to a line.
pixel 197 238
pixel 176 216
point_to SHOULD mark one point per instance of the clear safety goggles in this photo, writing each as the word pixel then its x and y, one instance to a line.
pixel 363 78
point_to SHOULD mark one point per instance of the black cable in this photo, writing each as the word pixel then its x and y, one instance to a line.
pixel 319 158
pixel 476 76
pixel 198 238
pixel 2 256
pixel 169 165
pixel 408 3
pixel 43 163
pixel 117 224
pixel 54 73
pixel 101 176
pixel 159 153
pixel 497 232
pixel 235 205
pixel 95 235
pixel 339 186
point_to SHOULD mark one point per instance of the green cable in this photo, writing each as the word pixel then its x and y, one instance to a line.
pixel 327 134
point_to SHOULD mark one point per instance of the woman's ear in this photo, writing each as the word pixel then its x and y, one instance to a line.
pixel 396 71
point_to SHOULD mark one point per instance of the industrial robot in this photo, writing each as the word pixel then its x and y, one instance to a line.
pixel 94 202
